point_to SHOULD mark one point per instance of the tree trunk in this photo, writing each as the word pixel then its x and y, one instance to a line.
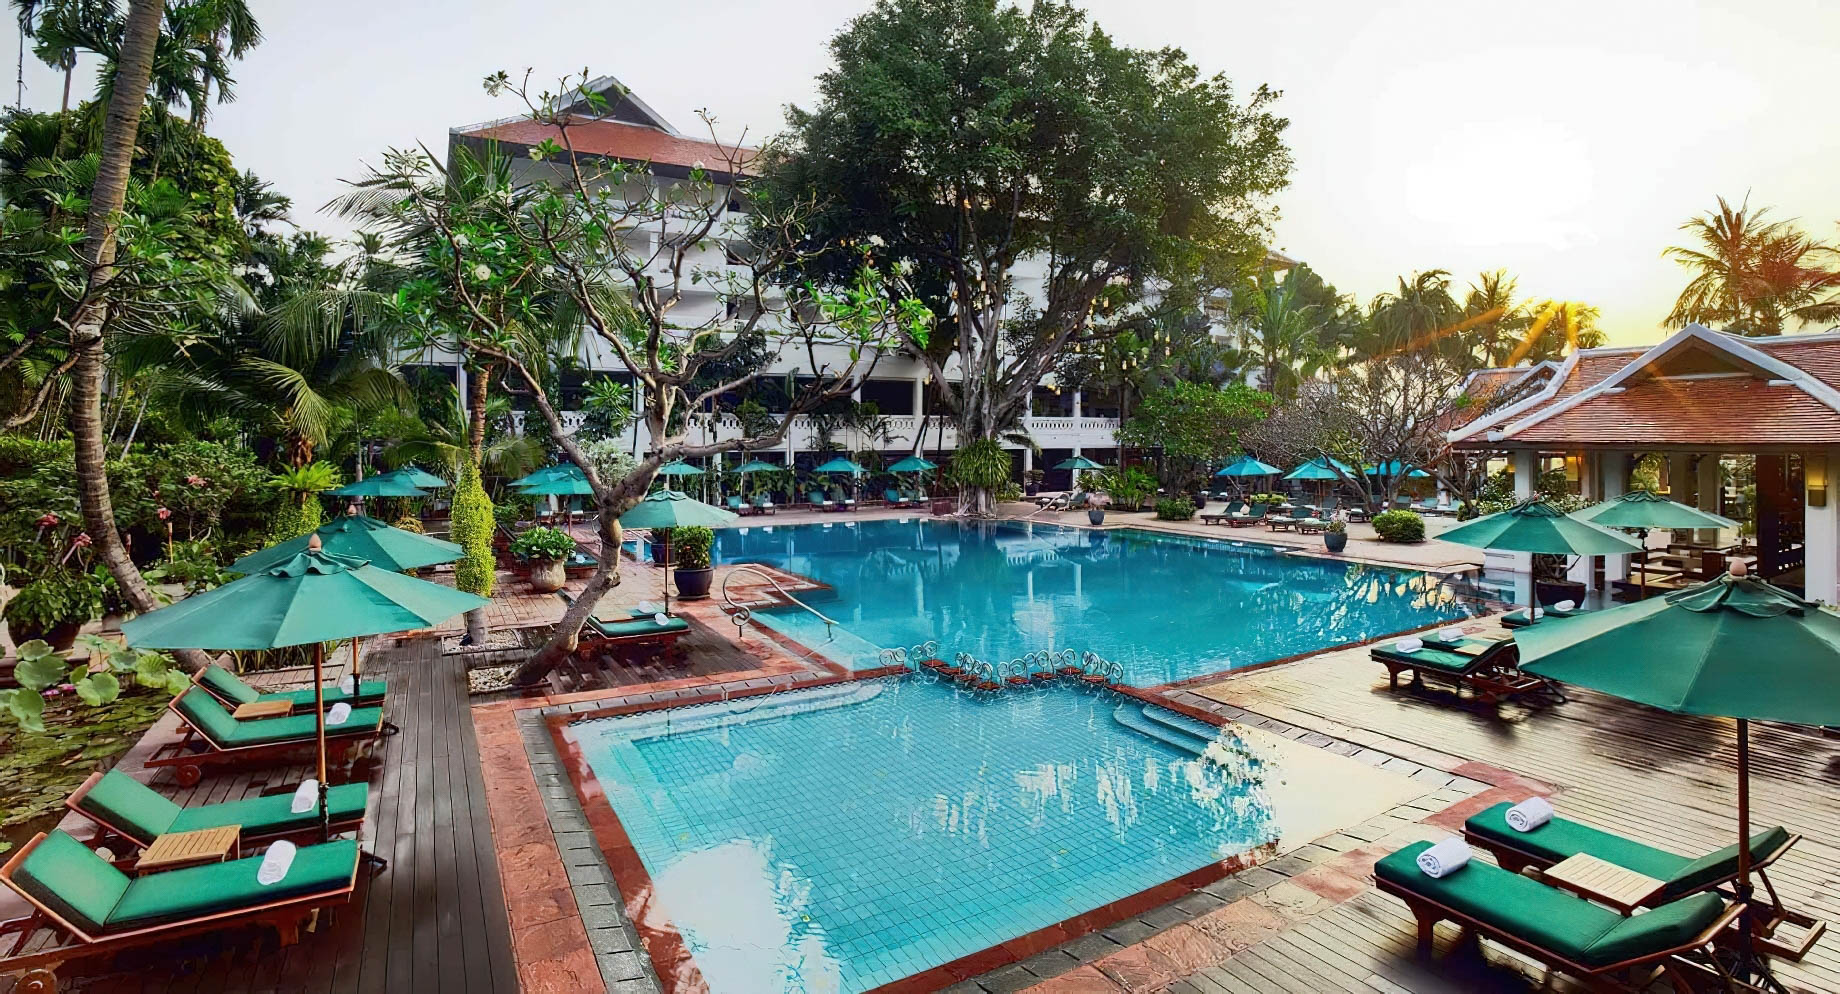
pixel 68 71
pixel 568 630
pixel 107 196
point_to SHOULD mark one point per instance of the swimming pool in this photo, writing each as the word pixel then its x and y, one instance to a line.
pixel 840 838
pixel 1166 607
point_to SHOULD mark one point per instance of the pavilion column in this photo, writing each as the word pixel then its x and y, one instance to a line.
pixel 1680 477
pixel 1526 475
pixel 1613 482
pixel 1028 459
pixel 1711 485
pixel 1821 526
pixel 1076 410
pixel 1590 487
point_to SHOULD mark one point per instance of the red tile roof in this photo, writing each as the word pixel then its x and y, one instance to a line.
pixel 627 142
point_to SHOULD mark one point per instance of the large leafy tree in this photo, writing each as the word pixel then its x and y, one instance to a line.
pixel 1194 426
pixel 972 136
pixel 1752 275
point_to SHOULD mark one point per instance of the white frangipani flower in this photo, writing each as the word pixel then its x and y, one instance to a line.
pixel 481 271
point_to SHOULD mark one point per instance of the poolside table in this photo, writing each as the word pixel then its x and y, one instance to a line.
pixel 1602 881
pixel 271 708
pixel 177 849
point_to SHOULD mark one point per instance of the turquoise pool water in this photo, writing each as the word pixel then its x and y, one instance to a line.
pixel 1166 607
pixel 841 838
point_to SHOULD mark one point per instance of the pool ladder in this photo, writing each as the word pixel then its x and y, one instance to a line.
pixel 740 613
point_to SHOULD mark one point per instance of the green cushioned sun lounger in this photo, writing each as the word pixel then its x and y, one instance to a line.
pixel 1556 927
pixel 206 714
pixel 62 875
pixel 230 688
pixel 1518 617
pixel 139 813
pixel 1561 838
pixel 1434 660
pixel 636 626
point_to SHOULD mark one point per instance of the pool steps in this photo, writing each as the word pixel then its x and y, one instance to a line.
pixel 1137 718
pixel 1194 726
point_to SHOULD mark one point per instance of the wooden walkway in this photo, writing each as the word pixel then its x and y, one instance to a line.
pixel 1664 779
pixel 434 921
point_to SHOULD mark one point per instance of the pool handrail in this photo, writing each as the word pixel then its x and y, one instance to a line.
pixel 740 613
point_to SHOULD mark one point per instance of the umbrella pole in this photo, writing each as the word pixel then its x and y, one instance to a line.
pixel 1750 966
pixel 319 728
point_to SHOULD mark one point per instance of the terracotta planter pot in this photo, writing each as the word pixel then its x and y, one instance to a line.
pixel 547 575
pixel 60 636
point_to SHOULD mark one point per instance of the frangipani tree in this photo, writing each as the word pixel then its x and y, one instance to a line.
pixel 615 248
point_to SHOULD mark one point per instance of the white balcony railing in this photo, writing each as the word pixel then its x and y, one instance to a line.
pixel 1049 433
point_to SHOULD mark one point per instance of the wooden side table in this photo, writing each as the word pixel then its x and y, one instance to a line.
pixel 177 849
pixel 1603 881
pixel 274 707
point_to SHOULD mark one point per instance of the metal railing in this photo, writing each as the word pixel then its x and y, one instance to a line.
pixel 741 614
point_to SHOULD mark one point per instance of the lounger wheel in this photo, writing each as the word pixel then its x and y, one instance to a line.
pixel 188 775
pixel 37 981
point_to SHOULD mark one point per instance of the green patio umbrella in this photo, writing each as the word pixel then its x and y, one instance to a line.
pixel 1641 510
pixel 1320 468
pixel 1247 466
pixel 1735 647
pixel 559 486
pixel 915 464
pixel 842 465
pixel 1536 526
pixel 1392 467
pixel 548 473
pixel 758 466
pixel 666 509
pixel 1077 462
pixel 419 477
pixel 360 537
pixel 386 485
pixel 679 468
pixel 309 599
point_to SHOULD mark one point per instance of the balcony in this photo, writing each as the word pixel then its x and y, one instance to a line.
pixel 1049 433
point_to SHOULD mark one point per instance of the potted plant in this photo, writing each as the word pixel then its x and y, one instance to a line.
pixel 1335 536
pixel 1032 481
pixel 692 571
pixel 546 549
pixel 1095 508
pixel 53 607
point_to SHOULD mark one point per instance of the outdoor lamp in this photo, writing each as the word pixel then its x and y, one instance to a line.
pixel 1814 475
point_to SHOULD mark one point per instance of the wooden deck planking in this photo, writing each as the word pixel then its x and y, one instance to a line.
pixel 1664 779
pixel 435 920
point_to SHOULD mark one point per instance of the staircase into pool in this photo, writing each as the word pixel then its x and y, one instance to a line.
pixel 1178 731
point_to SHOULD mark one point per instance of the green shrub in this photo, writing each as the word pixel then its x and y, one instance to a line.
pixel 193 564
pixel 1399 526
pixel 981 465
pixel 1175 509
pixel 59 595
pixel 471 527
pixel 690 546
pixel 543 543
pixel 298 515
pixel 1009 491
pixel 1268 498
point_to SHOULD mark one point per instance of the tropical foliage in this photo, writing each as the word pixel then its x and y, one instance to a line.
pixel 1753 275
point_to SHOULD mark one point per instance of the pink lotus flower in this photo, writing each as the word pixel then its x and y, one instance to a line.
pixel 196 481
pixel 164 514
pixel 48 520
pixel 82 541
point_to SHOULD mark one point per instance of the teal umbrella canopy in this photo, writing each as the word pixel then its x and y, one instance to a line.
pixel 1078 462
pixel 358 536
pixel 1248 466
pixel 1644 509
pixel 842 465
pixel 1392 467
pixel 387 485
pixel 1320 468
pixel 673 509
pixel 1734 647
pixel 914 464
pixel 311 597
pixel 1536 526
pixel 679 468
pixel 419 477
pixel 548 473
pixel 559 486
pixel 757 466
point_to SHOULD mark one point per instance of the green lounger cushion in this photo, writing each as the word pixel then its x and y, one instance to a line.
pixel 1561 838
pixel 177 895
pixel 232 688
pixel 1517 618
pixel 144 813
pixel 1431 659
pixel 638 626
pixel 211 718
pixel 1549 918
pixel 69 879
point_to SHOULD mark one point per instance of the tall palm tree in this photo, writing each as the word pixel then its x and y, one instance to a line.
pixel 1281 335
pixel 1421 313
pixel 1499 318
pixel 1750 274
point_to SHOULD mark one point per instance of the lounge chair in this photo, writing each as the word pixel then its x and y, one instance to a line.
pixel 1329 505
pixel 737 505
pixel 1311 526
pixel 1518 617
pixel 763 504
pixel 212 737
pixel 1226 511
pixel 1280 522
pixel 100 911
pixel 125 807
pixel 1359 511
pixel 843 500
pixel 632 630
pixel 1561 838
pixel 234 692
pixel 893 498
pixel 1069 501
pixel 1567 933
pixel 1490 668
pixel 1250 516
pixel 817 499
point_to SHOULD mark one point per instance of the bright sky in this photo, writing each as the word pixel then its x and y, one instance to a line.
pixel 1563 140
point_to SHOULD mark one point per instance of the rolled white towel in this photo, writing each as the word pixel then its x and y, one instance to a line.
pixel 338 713
pixel 275 863
pixel 650 607
pixel 1412 644
pixel 1535 613
pixel 1451 634
pixel 1565 605
pixel 1529 814
pixel 306 797
pixel 1445 858
pixel 348 685
pixel 661 618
